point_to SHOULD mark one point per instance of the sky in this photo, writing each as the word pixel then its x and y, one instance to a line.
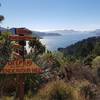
pixel 47 15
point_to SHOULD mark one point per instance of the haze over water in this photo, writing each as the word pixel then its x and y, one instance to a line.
pixel 54 42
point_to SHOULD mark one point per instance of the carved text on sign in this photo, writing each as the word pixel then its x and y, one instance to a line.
pixel 20 67
pixel 23 31
pixel 20 70
pixel 17 38
pixel 20 63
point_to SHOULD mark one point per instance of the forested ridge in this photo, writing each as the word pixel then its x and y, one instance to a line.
pixel 84 48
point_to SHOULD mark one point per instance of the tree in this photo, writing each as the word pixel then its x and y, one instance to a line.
pixel 5 48
pixel 96 50
pixel 96 66
pixel 1 18
pixel 36 48
pixel 96 62
pixel 88 60
pixel 33 81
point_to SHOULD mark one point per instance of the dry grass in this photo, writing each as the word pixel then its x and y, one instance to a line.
pixel 58 90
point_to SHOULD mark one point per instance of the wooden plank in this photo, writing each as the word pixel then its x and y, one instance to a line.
pixel 21 70
pixel 17 38
pixel 23 31
pixel 20 67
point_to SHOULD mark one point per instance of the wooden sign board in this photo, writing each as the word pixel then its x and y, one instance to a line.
pixel 17 38
pixel 20 70
pixel 20 67
pixel 23 31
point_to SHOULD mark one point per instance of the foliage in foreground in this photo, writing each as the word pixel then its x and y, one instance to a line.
pixel 61 77
pixel 57 90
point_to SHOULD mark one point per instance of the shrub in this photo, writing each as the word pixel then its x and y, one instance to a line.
pixel 87 90
pixel 96 67
pixel 96 62
pixel 58 90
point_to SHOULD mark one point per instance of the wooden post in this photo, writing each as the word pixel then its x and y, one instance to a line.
pixel 21 37
pixel 21 87
pixel 21 80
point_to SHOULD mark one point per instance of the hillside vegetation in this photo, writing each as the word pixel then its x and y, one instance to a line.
pixel 73 74
pixel 84 48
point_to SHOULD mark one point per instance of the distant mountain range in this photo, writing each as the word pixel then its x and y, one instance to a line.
pixel 69 32
pixel 97 32
pixel 65 32
pixel 2 29
pixel 34 33
pixel 57 32
pixel 42 34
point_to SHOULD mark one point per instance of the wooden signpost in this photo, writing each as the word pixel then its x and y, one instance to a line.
pixel 22 66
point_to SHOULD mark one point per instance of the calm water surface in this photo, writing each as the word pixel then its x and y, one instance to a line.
pixel 54 42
